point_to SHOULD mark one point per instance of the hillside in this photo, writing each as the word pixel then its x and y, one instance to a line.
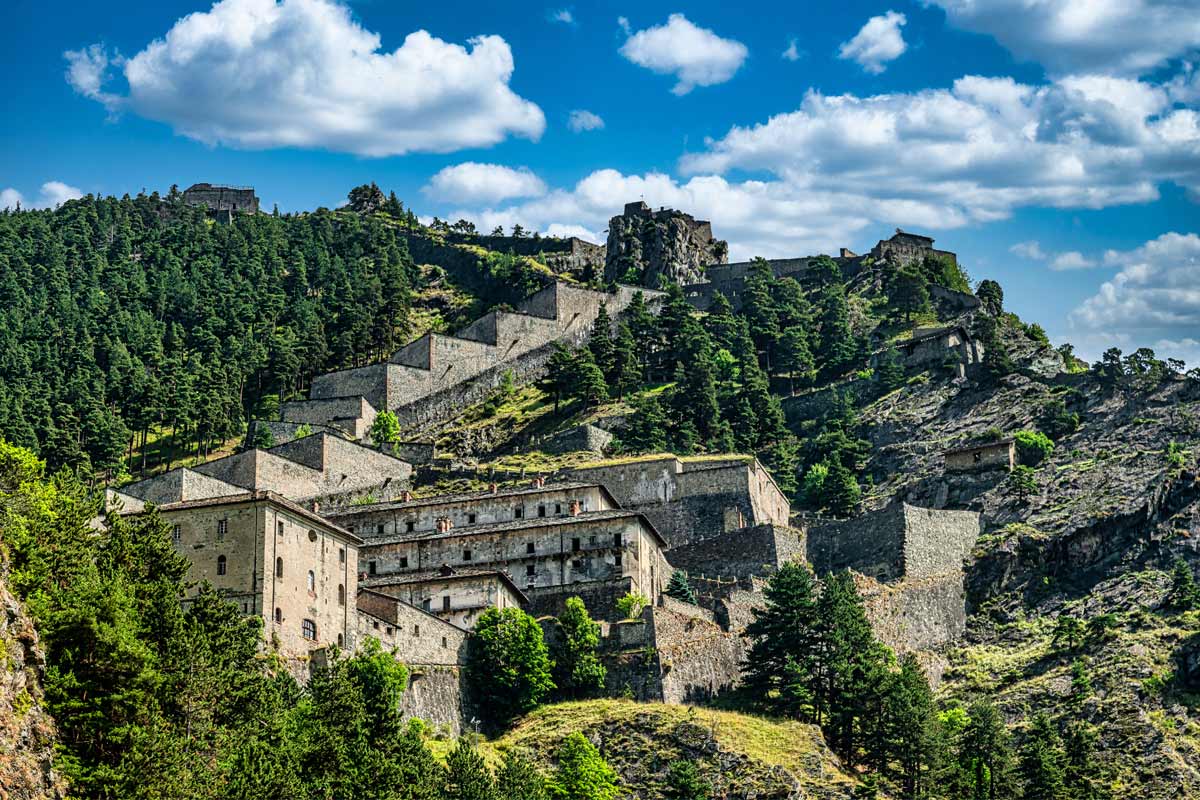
pixel 742 756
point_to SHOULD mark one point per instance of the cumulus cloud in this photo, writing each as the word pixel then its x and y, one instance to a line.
pixel 1155 293
pixel 1072 259
pixel 471 182
pixel 52 195
pixel 1030 250
pixel 304 73
pixel 878 42
pixel 792 53
pixel 695 56
pixel 976 151
pixel 580 120
pixel 1124 37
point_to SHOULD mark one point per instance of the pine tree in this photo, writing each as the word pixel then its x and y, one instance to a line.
pixel 560 370
pixel 627 374
pixel 684 782
pixel 1081 683
pixel 645 429
pixel 519 779
pixel 794 357
pixel 577 670
pixel 1184 594
pixel 1041 766
pixel 907 294
pixel 784 645
pixel 601 345
pixel 587 380
pixel 889 372
pixel 985 753
pixel 910 733
pixel 1082 776
pixel 467 775
pixel 837 348
pixel 646 332
pixel 841 492
pixel 679 588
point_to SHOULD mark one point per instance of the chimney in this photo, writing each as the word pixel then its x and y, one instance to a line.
pixel 493 487
pixel 539 481
pixel 405 496
pixel 443 524
pixel 316 506
pixel 574 508
pixel 362 576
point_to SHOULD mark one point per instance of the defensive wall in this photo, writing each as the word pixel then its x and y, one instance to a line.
pixel 691 500
pixel 753 550
pixel 571 254
pixel 220 198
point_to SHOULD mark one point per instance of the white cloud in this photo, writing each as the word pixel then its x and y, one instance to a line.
pixel 1125 37
pixel 304 73
pixel 623 24
pixel 879 42
pixel 976 151
pixel 471 182
pixel 52 195
pixel 581 120
pixel 695 56
pixel 1157 292
pixel 792 53
pixel 1030 250
pixel 563 15
pixel 1072 259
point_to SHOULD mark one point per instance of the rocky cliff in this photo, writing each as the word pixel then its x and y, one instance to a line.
pixel 26 730
pixel 648 247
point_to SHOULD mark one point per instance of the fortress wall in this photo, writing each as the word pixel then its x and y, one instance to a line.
pixel 324 411
pixel 698 660
pixel 369 382
pixel 414 636
pixel 937 541
pixel 872 544
pixel 482 329
pixel 345 465
pixel 437 694
pixel 519 333
pixel 757 550
pixel 600 597
pixel 917 616
pixel 417 354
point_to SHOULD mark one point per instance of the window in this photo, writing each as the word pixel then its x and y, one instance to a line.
pixel 617 541
pixel 591 540
pixel 575 543
pixel 403 562
pixel 443 641
pixel 220 565
pixel 176 534
pixel 308 629
pixel 409 525
pixel 222 528
pixel 427 604
pixel 416 630
pixel 471 518
pixel 531 570
pixel 312 535
pixel 341 595
pixel 558 508
pixel 541 511
pixel 341 555
pixel 617 560
pixel 375 624
pixel 371 567
pixel 978 457
pixel 279 527
pixel 529 547
pixel 577 565
pixel 379 529
pixel 279 567
pixel 340 643
pixel 279 615
pixel 518 512
pixel 446 603
pixel 466 555
pixel 312 582
pixel 389 630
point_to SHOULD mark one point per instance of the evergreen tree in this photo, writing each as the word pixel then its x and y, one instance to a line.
pixel 1041 764
pixel 587 380
pixel 508 661
pixel 467 775
pixel 889 372
pixel 1081 683
pixel 907 294
pixel 577 670
pixel 645 430
pixel 837 348
pixel 794 357
pixel 784 644
pixel 582 772
pixel 601 345
pixel 841 494
pixel 991 295
pixel 684 782
pixel 560 372
pixel 985 753
pixel 518 779
pixel 1023 482
pixel 1184 594
pixel 679 588
pixel 1082 775
pixel 910 732
pixel 627 374
pixel 646 332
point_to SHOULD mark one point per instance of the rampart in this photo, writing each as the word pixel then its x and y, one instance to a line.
pixel 754 550
pixel 222 198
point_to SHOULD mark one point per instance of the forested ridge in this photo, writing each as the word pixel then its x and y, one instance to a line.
pixel 123 316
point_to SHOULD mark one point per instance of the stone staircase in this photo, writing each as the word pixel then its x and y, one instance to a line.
pixel 436 376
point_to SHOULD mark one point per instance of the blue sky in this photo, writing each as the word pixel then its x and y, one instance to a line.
pixel 1055 145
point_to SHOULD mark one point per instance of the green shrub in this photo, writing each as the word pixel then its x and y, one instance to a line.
pixel 1033 447
pixel 632 605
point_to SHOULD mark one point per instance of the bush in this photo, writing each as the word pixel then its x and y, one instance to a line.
pixel 1033 447
pixel 632 605
pixel 509 662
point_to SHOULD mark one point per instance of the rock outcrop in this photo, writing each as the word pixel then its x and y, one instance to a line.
pixel 648 247
pixel 26 729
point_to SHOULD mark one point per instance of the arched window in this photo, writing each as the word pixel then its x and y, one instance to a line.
pixel 308 629
pixel 340 642
pixel 220 565
pixel 279 567
pixel 312 582
pixel 279 615
pixel 341 595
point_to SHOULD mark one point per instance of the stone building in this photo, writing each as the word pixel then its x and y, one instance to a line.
pixel 223 200
pixel 318 468
pixel 457 596
pixel 982 456
pixel 273 559
pixel 692 499
pixel 935 346
pixel 428 379
pixel 651 246
pixel 905 248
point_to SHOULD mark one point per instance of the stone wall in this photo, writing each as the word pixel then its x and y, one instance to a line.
pixel 580 438
pixel 415 637
pixel 697 658
pixel 984 456
pixel 754 550
pixel 916 614
pixel 660 245
pixel 937 541
pixel 221 198
pixel 179 485
pixel 600 597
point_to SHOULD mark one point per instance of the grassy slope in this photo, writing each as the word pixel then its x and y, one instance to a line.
pixel 742 755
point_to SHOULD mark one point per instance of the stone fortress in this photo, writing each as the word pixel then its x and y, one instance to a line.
pixel 324 539
pixel 222 201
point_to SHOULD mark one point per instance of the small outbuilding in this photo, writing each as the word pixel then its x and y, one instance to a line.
pixel 982 456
